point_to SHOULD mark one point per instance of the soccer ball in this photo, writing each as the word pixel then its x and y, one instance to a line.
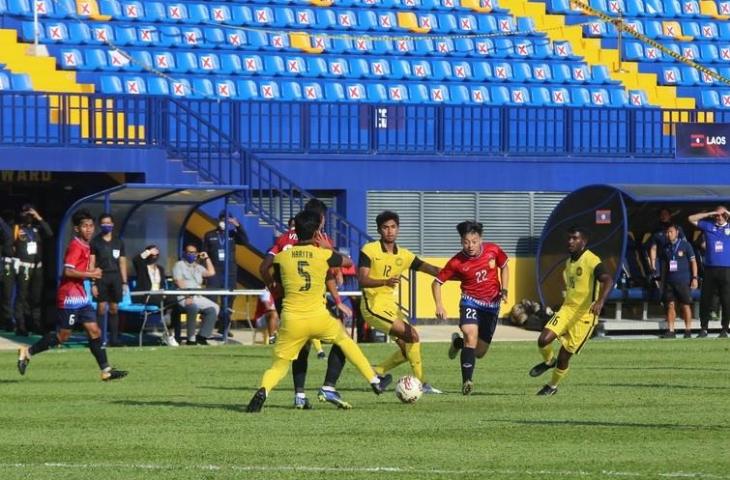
pixel 408 389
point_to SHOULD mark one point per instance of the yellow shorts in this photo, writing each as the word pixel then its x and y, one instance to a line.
pixel 297 329
pixel 381 315
pixel 572 328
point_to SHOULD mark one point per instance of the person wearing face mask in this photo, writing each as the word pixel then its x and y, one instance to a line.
pixel 228 233
pixel 714 225
pixel 107 253
pixel 659 241
pixel 29 235
pixel 189 274
pixel 151 276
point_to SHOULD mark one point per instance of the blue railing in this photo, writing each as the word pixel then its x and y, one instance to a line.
pixel 290 127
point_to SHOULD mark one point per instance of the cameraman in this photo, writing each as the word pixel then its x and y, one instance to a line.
pixel 188 273
pixel 29 236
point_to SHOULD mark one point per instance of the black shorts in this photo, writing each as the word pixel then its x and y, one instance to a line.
pixel 67 318
pixel 677 292
pixel 486 320
pixel 110 288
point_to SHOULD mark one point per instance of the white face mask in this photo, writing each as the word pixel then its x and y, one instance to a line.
pixel 221 225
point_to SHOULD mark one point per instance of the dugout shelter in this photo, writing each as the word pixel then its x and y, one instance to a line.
pixel 621 220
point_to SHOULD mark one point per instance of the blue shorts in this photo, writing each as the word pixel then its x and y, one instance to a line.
pixel 67 317
pixel 486 320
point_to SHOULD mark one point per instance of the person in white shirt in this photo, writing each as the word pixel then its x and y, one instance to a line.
pixel 188 273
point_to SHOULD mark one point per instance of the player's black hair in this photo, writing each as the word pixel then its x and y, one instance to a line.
pixel 386 216
pixel 582 231
pixel 469 226
pixel 290 223
pixel 672 225
pixel 81 215
pixel 306 223
pixel 148 247
pixel 106 215
pixel 190 244
pixel 315 205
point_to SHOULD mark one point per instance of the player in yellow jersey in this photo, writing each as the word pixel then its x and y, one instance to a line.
pixel 573 324
pixel 382 263
pixel 301 271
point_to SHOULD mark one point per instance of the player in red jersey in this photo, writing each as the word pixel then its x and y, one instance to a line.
pixel 73 303
pixel 481 267
pixel 322 240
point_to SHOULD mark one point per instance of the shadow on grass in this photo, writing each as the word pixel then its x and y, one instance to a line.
pixel 655 385
pixel 590 423
pixel 238 408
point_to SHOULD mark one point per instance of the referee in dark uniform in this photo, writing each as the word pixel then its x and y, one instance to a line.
pixel 7 275
pixel 716 278
pixel 228 232
pixel 107 253
pixel 30 234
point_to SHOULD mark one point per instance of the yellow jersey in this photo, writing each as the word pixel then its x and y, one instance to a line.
pixel 384 265
pixel 581 287
pixel 302 271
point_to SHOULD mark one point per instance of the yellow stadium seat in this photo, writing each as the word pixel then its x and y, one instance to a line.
pixel 410 21
pixel 302 41
pixel 90 9
pixel 674 30
pixel 476 6
pixel 709 8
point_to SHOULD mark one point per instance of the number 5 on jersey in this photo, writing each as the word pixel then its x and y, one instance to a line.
pixel 301 265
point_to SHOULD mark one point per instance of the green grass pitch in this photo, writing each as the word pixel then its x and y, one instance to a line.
pixel 628 409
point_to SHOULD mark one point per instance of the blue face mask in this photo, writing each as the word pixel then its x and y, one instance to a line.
pixel 190 257
pixel 106 228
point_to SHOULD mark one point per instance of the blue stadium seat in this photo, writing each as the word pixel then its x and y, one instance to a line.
pixel 440 70
pixel 133 11
pixel 526 26
pixel 134 85
pixel 464 47
pixel 653 8
pixel 503 48
pixel 707 31
pixel 636 98
pixel 446 23
pixel 110 7
pixel 671 76
pixel 438 93
pixel 202 88
pixel 221 14
pixel 111 84
pixel 225 89
pixel 619 98
pixel 291 91
pixel 140 60
pixel 337 67
pixel 241 15
pixel 400 69
pixel 176 12
pixel 198 13
pixel 600 97
pixel 345 20
pixel 208 63
pixel 304 18
pixel 312 91
pixel 633 51
pixel 441 47
pixel 192 37
pixel 458 95
pixel 482 71
pixel 581 74
pixel 487 24
pixel 380 67
pixel 540 96
pixel 20 7
pixel 317 67
pixel 560 96
pixel 157 86
pixel 274 66
pixel 78 32
pixel 563 50
pixel 672 9
pixel 170 36
pixel 420 70
pixel 461 70
pixel 502 72
pixel 595 29
pixel 705 79
pixel 165 61
pixel 709 53
pixel 295 66
pixel 541 73
pixel 690 76
pixel 155 12
pixel 325 18
pixel 418 93
pixel 500 95
pixel 600 74
pixel 397 92
pixel 101 34
pixel 334 92
pixel 247 89
pixel 252 65
pixel 262 16
pixel 125 35
pixel 367 20
pixel 709 99
pixel 180 87
pixel 724 98
pixel 185 62
pixel 359 68
pixel 521 72
pixel 580 97
pixel 257 40
pixel 214 37
pixel 561 73
pixel 230 64
pixel 484 47
pixel 376 92
pixel 147 35
pixel 523 48
pixel 71 59
pixel 724 28
pixel 4 81
pixel 479 95
pixel 519 96
pixel 341 44
pixel 116 60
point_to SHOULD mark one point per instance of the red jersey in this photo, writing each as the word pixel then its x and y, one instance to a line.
pixel 71 294
pixel 478 275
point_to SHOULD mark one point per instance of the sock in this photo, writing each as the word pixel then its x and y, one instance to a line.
pixel 355 356
pixel 558 376
pixel 113 327
pixel 458 343
pixel 299 369
pixel 390 363
pixel 413 352
pixel 335 364
pixel 98 352
pixel 328 388
pixel 467 363
pixel 547 353
pixel 49 340
pixel 273 375
pixel 300 395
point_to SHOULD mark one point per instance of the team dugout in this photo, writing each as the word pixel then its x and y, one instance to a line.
pixel 621 219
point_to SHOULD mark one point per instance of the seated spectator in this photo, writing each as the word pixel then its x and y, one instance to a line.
pixel 188 273
pixel 151 276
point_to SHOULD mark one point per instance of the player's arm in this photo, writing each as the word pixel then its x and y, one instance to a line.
pixel 238 234
pixel 337 261
pixel 69 267
pixel 123 271
pixel 694 281
pixel 209 268
pixel 604 277
pixel 364 279
pixel 425 267
pixel 504 279
pixel 265 271
pixel 695 219
pixel 436 292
